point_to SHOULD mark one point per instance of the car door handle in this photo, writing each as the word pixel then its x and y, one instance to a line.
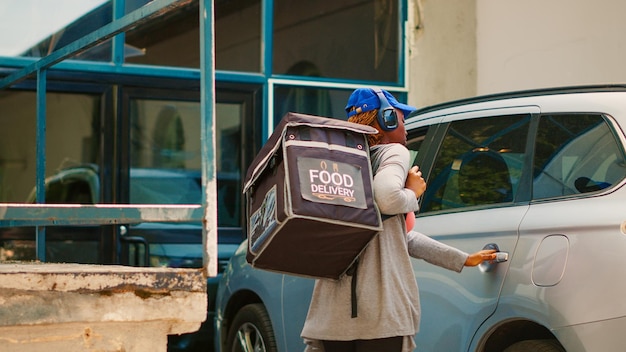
pixel 500 258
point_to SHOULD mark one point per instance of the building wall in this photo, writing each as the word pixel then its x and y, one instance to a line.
pixel 466 48
pixel 442 57
pixel 531 44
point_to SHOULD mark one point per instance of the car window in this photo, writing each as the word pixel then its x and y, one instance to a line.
pixel 479 163
pixel 414 142
pixel 574 154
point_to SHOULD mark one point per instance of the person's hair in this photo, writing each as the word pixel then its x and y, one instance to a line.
pixel 368 118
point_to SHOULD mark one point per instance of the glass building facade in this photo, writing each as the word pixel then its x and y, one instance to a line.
pixel 131 102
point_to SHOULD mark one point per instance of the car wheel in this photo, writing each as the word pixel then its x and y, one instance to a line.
pixel 251 331
pixel 535 346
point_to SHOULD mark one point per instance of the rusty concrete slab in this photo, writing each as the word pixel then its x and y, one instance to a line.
pixel 60 301
pixel 86 278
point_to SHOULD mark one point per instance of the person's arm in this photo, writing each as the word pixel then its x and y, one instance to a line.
pixel 390 191
pixel 437 253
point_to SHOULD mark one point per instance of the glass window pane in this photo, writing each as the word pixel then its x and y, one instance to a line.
pixel 314 101
pixel 238 35
pixel 72 139
pixel 575 154
pixel 72 153
pixel 479 163
pixel 229 161
pixel 165 155
pixel 176 255
pixel 63 244
pixel 174 39
pixel 171 40
pixel 155 186
pixel 347 39
pixel 45 26
pixel 165 152
pixel 18 129
pixel 415 141
pixel 165 134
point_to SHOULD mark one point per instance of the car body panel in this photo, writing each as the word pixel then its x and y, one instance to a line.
pixel 240 279
pixel 596 246
pixel 471 297
pixel 296 298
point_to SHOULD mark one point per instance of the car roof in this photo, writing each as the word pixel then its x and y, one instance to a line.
pixel 549 99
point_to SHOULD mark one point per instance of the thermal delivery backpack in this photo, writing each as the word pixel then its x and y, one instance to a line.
pixel 309 197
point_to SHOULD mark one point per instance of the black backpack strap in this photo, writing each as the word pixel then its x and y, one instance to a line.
pixel 352 271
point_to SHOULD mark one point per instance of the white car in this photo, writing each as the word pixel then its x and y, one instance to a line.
pixel 539 175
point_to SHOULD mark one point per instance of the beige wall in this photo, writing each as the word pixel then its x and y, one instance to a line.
pixel 442 56
pixel 473 47
pixel 531 44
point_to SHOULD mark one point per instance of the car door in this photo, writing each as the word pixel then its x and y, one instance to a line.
pixel 572 239
pixel 476 197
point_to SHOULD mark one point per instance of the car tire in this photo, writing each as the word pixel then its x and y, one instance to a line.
pixel 251 331
pixel 535 346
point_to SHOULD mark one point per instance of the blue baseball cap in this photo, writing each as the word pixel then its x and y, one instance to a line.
pixel 365 99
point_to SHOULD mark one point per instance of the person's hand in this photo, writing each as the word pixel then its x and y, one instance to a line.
pixel 415 182
pixel 480 256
